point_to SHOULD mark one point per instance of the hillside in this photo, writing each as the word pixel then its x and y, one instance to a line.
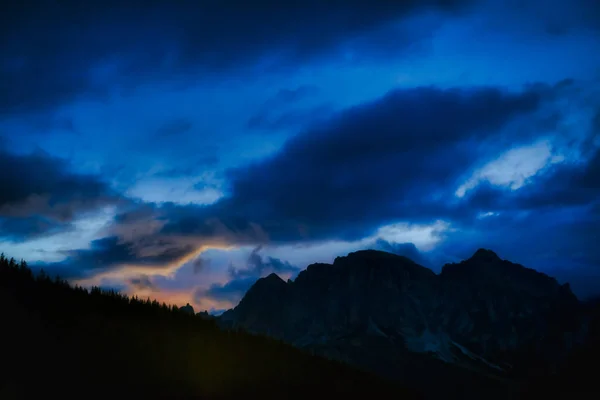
pixel 58 340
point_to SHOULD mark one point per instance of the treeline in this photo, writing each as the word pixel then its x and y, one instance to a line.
pixel 26 285
pixel 69 341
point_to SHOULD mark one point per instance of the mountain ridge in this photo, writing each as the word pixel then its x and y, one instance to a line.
pixel 483 314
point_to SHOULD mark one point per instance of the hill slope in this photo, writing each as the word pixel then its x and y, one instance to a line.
pixel 69 342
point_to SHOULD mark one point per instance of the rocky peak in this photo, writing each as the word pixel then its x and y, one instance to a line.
pixel 271 280
pixel 270 286
pixel 382 264
pixel 485 255
pixel 261 308
pixel 377 257
pixel 485 268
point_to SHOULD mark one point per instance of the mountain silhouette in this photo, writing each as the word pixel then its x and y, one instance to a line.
pixel 484 322
pixel 372 324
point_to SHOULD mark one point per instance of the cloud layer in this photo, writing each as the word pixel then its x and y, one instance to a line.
pixel 138 137
pixel 174 38
pixel 40 195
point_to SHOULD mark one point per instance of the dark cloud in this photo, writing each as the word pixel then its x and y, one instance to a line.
pixel 258 266
pixel 291 96
pixel 195 167
pixel 397 158
pixel 241 279
pixel 204 223
pixel 138 237
pixel 47 123
pixel 175 127
pixel 294 119
pixel 111 252
pixel 40 194
pixel 202 185
pixel 374 163
pixel 232 291
pixel 143 282
pixel 19 229
pixel 596 123
pixel 408 250
pixel 568 184
pixel 562 19
pixel 39 174
pixel 56 51
pixel 200 264
pixel 539 17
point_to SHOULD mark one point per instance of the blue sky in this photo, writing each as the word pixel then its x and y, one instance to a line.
pixel 182 151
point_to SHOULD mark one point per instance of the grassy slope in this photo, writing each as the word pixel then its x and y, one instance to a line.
pixel 59 340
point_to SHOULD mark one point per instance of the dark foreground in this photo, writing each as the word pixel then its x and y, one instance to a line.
pixel 72 343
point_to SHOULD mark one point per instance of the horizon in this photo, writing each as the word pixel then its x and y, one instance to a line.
pixel 183 152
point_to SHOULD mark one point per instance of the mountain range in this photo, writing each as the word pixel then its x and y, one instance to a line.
pixel 372 324
pixel 481 327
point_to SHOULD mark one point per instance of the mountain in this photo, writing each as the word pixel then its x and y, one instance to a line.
pixel 485 323
pixel 69 342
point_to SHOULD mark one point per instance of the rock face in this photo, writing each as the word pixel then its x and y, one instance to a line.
pixel 391 315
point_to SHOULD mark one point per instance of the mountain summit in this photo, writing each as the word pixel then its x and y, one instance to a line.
pixel 485 255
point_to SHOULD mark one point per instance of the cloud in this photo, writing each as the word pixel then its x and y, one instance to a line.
pixel 196 168
pixel 551 224
pixel 408 250
pixel 112 254
pixel 24 228
pixel 286 96
pixel 200 264
pixel 398 158
pixel 290 119
pixel 175 127
pixel 41 195
pixel 231 291
pixel 372 164
pixel 143 283
pixel 567 184
pixel 560 19
pixel 153 239
pixel 560 242
pixel 182 190
pixel 368 166
pixel 242 279
pixel 514 168
pixel 259 266
pixel 120 44
pixel 288 109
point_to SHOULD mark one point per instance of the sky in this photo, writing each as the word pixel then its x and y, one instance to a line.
pixel 182 150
